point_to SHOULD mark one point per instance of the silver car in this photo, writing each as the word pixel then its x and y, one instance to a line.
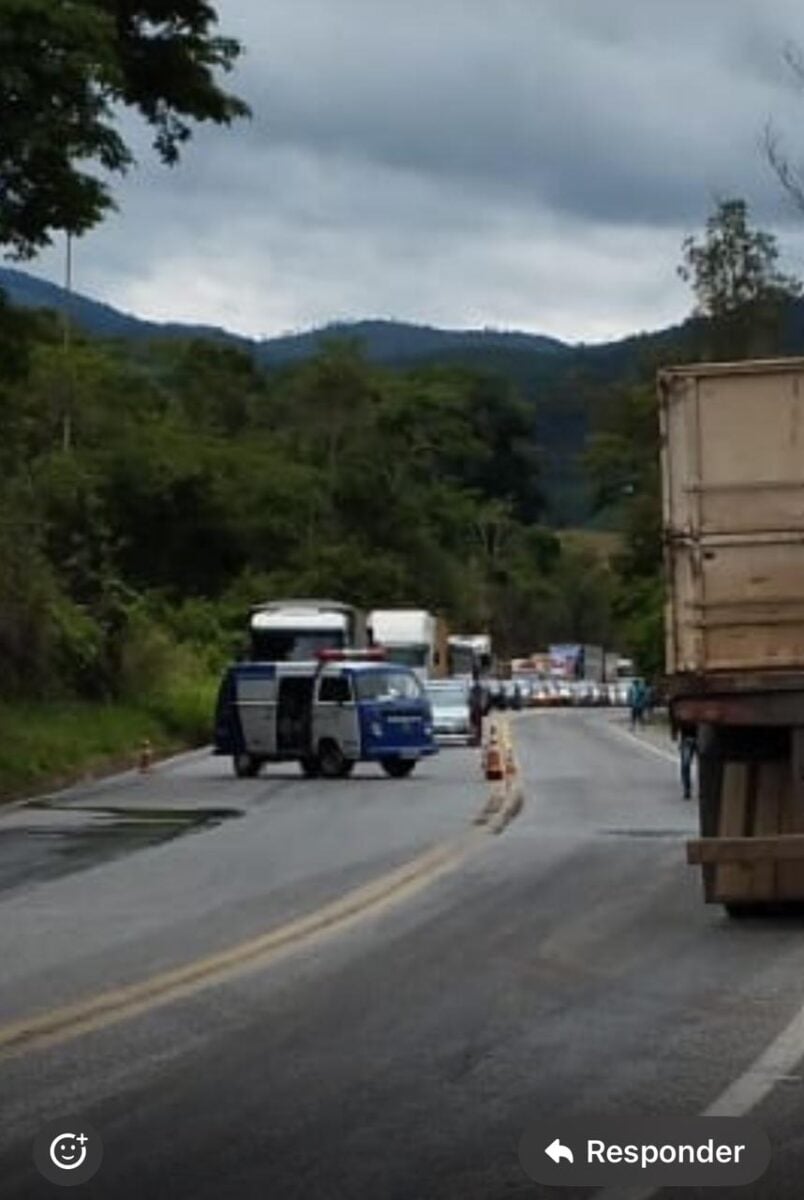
pixel 449 701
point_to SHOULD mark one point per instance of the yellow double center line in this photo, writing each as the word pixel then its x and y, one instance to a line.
pixel 119 1004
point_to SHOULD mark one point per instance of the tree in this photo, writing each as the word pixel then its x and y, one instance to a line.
pixel 65 71
pixel 737 284
pixel 329 398
pixel 789 174
pixel 623 467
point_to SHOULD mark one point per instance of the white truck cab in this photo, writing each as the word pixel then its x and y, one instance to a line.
pixel 411 636
pixel 297 630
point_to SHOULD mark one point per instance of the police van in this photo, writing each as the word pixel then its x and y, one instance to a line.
pixel 345 708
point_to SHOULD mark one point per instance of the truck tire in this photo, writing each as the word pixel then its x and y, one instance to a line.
pixel 398 768
pixel 310 766
pixel 246 766
pixel 332 762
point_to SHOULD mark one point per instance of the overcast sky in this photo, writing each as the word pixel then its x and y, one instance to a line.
pixel 528 164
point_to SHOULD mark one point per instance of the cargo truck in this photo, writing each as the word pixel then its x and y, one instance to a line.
pixel 470 655
pixel 616 667
pixel 574 661
pixel 413 637
pixel 732 439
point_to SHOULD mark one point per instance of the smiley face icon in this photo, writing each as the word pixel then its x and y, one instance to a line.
pixel 68 1158
pixel 69 1150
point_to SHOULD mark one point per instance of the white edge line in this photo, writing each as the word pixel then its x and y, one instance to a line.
pixel 746 1092
pixel 633 740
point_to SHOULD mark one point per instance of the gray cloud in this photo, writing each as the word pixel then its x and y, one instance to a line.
pixel 529 163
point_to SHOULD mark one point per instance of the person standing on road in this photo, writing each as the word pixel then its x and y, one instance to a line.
pixel 477 710
pixel 637 698
pixel 686 734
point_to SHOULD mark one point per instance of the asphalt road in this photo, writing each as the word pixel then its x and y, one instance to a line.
pixel 566 966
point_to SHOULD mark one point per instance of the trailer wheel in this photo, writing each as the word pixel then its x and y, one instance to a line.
pixel 398 768
pixel 246 766
pixel 310 766
pixel 332 762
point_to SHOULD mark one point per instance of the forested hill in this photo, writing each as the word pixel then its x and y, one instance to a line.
pixel 529 359
pixel 559 381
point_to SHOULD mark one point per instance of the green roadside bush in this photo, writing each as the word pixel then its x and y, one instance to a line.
pixel 184 707
pixel 50 743
pixel 165 692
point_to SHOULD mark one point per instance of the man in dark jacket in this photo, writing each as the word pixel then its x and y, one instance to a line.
pixel 637 698
pixel 477 710
pixel 686 734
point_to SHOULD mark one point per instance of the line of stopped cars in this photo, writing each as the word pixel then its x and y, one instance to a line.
pixel 450 700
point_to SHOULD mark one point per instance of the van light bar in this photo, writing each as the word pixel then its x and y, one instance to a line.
pixel 372 654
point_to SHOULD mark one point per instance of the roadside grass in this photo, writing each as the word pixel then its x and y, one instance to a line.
pixel 47 745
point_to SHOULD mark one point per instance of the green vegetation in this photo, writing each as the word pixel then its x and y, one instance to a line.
pixel 50 743
pixel 193 484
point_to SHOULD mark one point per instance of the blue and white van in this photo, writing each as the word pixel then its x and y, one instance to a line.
pixel 326 716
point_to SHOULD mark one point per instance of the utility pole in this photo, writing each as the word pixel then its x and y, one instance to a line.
pixel 67 413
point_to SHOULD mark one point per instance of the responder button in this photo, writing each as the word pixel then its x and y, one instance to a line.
pixel 659 1151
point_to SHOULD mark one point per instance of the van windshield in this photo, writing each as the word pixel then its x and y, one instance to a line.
pixel 387 685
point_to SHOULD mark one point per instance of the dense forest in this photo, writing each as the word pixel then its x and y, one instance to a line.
pixel 150 494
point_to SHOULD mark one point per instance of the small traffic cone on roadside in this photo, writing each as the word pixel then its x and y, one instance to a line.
pixel 146 756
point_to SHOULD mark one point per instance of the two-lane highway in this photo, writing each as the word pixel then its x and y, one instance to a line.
pixel 398 1047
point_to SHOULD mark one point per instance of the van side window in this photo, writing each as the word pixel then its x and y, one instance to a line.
pixel 335 688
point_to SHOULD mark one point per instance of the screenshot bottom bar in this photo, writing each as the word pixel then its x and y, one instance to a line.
pixel 658 1151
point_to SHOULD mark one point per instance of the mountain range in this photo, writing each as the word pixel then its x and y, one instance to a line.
pixel 383 340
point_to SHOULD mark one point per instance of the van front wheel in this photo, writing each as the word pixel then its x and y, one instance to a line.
pixel 310 766
pixel 332 762
pixel 398 768
pixel 246 766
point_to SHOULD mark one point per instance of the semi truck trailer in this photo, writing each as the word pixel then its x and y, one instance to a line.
pixel 732 438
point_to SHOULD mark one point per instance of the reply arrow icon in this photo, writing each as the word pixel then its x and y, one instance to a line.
pixel 556 1151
